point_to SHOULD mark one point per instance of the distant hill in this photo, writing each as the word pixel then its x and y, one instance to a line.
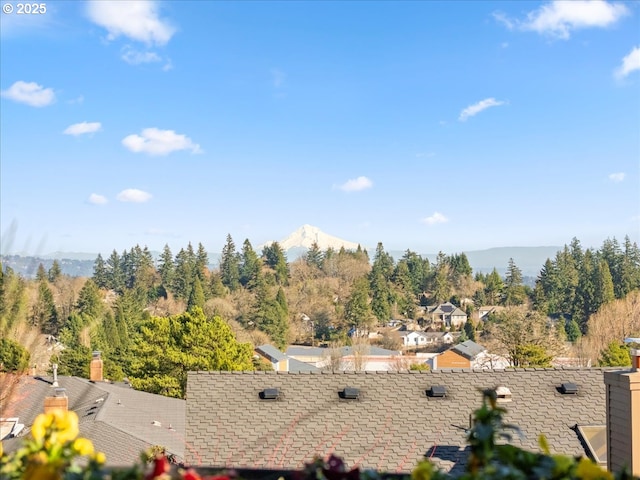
pixel 528 259
pixel 27 266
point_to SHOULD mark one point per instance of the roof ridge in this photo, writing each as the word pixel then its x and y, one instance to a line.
pixel 404 372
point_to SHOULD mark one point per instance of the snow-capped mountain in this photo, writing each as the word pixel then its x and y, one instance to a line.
pixel 307 234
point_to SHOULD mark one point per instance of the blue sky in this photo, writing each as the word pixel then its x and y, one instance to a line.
pixel 435 126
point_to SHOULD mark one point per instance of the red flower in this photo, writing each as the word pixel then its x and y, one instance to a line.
pixel 337 470
pixel 191 474
pixel 160 467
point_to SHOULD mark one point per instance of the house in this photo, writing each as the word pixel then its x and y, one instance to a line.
pixel 282 362
pixel 440 338
pixel 120 422
pixel 462 355
pixel 350 358
pixel 468 354
pixel 414 339
pixel 486 311
pixel 231 422
pixel 446 314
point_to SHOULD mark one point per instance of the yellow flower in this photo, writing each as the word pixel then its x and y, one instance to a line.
pixel 40 425
pixel 99 458
pixel 83 446
pixel 66 425
pixel 590 470
pixel 59 426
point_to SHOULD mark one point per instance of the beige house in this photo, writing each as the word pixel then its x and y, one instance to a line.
pixel 446 314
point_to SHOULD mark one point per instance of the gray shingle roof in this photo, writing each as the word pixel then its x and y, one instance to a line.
pixel 116 418
pixel 389 428
pixel 469 349
pixel 272 352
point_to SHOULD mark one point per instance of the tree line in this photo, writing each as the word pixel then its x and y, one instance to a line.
pixel 145 314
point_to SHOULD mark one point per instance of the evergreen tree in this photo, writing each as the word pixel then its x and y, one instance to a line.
pixel 629 269
pixel 41 274
pixel 469 330
pixel 55 271
pixel 586 303
pixel 250 266
pixel 604 291
pixel 216 288
pixel 514 293
pixel 493 288
pixel 13 356
pixel 615 355
pixel 201 263
pixel 406 298
pixel 114 273
pixel 382 263
pixel 270 314
pixel 196 297
pixel 100 276
pixel 166 267
pixel 441 285
pixel 169 347
pixel 89 300
pixel 418 271
pixel 45 314
pixel 572 329
pixel 357 311
pixel 184 275
pixel 380 294
pixel 611 253
pixel 281 300
pixel 230 265
pixel 275 258
pixel 313 258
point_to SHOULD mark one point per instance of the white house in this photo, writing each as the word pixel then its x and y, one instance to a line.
pixel 415 339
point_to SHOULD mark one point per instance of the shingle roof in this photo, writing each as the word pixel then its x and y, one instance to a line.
pixel 391 426
pixel 468 349
pixel 272 352
pixel 116 418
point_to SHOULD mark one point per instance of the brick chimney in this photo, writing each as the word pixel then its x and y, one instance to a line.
pixel 623 416
pixel 58 401
pixel 96 368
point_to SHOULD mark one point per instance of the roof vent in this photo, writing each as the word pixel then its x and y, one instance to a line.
pixel 569 388
pixel 269 394
pixel 156 423
pixel 503 394
pixel 350 393
pixel 437 391
pixel 60 392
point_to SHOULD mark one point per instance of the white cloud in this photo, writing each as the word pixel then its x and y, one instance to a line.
pixel 133 195
pixel 135 19
pixel 630 63
pixel 30 93
pixel 617 177
pixel 560 17
pixel 159 142
pixel 476 108
pixel 435 219
pixel 136 57
pixel 82 128
pixel 356 184
pixel 278 77
pixel 97 199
